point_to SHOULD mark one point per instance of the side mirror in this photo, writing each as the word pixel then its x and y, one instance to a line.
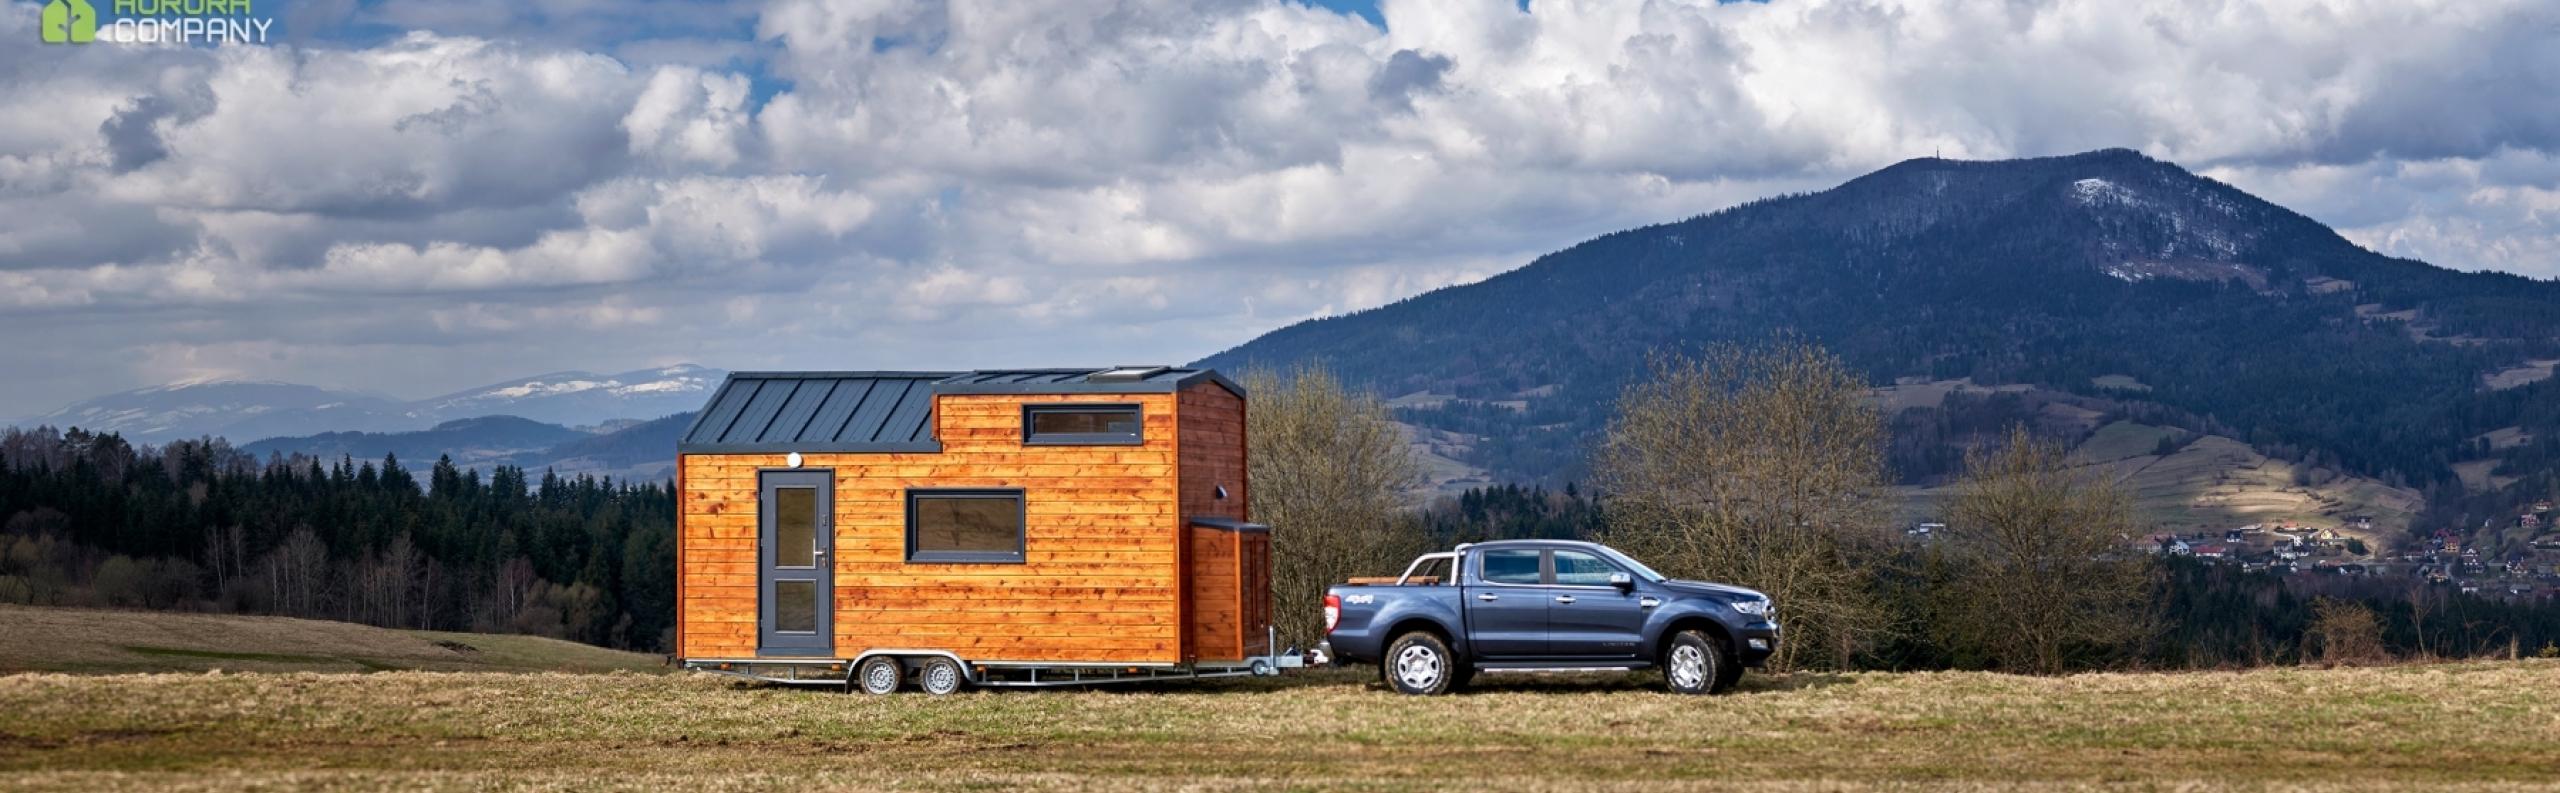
pixel 1622 581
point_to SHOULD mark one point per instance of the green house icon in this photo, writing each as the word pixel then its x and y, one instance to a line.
pixel 69 22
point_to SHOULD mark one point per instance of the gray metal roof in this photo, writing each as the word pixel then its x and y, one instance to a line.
pixel 763 412
pixel 1112 380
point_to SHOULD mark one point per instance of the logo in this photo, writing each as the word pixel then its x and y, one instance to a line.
pixel 69 22
pixel 181 22
pixel 1360 600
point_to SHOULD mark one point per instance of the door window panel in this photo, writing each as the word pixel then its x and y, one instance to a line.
pixel 795 527
pixel 1510 567
pixel 795 606
pixel 1575 568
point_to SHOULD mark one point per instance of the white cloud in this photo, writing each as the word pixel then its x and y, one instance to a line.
pixel 688 115
pixel 991 182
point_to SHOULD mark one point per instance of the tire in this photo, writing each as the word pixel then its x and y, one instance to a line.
pixel 879 675
pixel 1697 663
pixel 941 677
pixel 1729 674
pixel 1420 664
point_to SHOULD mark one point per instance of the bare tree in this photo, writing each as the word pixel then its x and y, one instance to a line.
pixel 1763 467
pixel 2347 631
pixel 1329 471
pixel 2040 558
pixel 297 574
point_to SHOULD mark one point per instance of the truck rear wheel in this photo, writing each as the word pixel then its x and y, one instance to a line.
pixel 1419 663
pixel 1697 663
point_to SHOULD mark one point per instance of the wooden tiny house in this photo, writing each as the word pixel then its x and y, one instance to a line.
pixel 1003 520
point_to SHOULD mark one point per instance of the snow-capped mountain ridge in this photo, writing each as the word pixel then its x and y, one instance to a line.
pixel 246 411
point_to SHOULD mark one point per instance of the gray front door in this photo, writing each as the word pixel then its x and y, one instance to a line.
pixel 795 530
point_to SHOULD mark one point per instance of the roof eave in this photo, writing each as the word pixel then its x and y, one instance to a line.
pixel 908 447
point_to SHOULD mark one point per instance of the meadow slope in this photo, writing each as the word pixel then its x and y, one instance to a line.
pixel 2476 726
pixel 43 639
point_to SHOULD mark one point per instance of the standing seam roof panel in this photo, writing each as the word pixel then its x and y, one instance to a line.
pixel 828 425
pixel 791 424
pixel 715 422
pixel 758 416
pixel 907 422
pixel 864 427
pixel 878 411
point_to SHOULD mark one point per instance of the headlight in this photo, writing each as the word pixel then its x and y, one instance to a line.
pixel 1756 608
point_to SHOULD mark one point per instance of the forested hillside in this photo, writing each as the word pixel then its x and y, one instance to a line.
pixel 2105 274
pixel 197 525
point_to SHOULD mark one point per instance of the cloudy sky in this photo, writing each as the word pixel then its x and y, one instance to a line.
pixel 417 196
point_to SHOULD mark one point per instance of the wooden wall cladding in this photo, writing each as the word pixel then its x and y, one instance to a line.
pixel 1100 581
pixel 1228 615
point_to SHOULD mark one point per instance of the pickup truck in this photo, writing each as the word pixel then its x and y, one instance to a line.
pixel 1545 604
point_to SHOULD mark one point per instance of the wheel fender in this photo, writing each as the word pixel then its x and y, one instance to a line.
pixel 1657 630
pixel 1404 616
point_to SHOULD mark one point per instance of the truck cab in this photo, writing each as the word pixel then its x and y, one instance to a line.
pixel 1545 604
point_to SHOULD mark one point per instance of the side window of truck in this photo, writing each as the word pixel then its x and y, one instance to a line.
pixel 1575 568
pixel 1510 567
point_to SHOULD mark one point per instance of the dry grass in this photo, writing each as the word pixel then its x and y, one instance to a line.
pixel 2464 726
pixel 95 640
pixel 2216 483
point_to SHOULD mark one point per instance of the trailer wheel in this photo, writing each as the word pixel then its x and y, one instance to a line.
pixel 880 675
pixel 941 676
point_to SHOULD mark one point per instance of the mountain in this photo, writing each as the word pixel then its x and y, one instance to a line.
pixel 2087 285
pixel 636 450
pixel 470 442
pixel 227 408
pixel 245 412
pixel 646 450
pixel 581 398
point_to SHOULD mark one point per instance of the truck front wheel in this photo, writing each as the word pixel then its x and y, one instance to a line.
pixel 1419 663
pixel 1697 663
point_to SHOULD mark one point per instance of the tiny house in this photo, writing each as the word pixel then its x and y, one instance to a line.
pixel 942 529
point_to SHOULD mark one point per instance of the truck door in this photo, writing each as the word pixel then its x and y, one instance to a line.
pixel 1507 609
pixel 1586 616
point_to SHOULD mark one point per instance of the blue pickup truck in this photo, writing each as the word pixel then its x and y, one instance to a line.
pixel 1545 604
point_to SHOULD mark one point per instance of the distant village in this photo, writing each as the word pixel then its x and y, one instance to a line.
pixel 2529 570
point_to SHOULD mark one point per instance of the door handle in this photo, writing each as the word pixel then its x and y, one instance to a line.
pixel 1488 596
pixel 1564 599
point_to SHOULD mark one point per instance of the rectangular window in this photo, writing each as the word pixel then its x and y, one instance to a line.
pixel 1082 425
pixel 1575 568
pixel 1510 567
pixel 795 518
pixel 795 606
pixel 964 526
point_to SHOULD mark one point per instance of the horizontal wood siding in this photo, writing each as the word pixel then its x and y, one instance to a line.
pixel 1099 582
pixel 1253 583
pixel 1213 455
pixel 1215 610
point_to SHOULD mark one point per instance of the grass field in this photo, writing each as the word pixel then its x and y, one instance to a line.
pixel 91 640
pixel 2491 726
pixel 2214 483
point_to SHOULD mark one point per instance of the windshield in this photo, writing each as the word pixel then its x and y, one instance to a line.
pixel 1641 571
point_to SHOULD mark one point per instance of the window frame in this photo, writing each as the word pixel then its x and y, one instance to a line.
pixel 1555 574
pixel 1031 410
pixel 1538 555
pixel 1021 537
